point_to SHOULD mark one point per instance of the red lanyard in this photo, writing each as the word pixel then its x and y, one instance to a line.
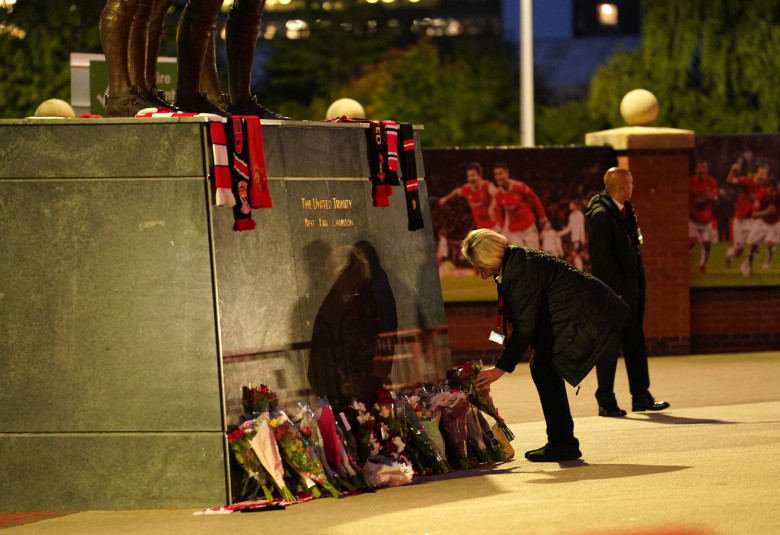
pixel 500 315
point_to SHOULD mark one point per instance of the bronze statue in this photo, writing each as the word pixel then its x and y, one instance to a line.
pixel 130 32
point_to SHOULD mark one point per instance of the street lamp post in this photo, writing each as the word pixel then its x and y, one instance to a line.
pixel 526 75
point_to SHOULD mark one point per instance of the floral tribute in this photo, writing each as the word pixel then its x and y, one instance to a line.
pixel 293 457
pixel 465 377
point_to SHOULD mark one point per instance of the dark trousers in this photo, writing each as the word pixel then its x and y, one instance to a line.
pixel 632 340
pixel 555 403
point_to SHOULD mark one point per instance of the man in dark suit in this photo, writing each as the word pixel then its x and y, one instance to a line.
pixel 614 243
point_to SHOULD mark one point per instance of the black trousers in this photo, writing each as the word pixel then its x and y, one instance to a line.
pixel 555 403
pixel 632 340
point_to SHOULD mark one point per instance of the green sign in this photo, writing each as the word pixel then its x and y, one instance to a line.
pixel 98 82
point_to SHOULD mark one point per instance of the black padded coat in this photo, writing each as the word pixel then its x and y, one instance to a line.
pixel 614 246
pixel 564 314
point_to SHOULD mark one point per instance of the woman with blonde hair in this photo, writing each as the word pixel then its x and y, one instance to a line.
pixel 569 318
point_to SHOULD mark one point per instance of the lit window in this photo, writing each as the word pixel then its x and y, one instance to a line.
pixel 608 14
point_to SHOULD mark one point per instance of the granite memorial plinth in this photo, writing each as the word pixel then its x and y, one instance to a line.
pixel 131 314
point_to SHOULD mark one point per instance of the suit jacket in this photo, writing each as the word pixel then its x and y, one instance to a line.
pixel 564 314
pixel 613 242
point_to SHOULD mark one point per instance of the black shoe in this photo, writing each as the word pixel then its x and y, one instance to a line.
pixel 612 411
pixel 646 402
pixel 251 107
pixel 201 104
pixel 555 451
pixel 129 105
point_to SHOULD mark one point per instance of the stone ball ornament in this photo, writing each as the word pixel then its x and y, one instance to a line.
pixel 639 107
pixel 345 107
pixel 55 107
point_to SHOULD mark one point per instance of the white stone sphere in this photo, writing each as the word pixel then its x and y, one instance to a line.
pixel 345 107
pixel 55 107
pixel 639 107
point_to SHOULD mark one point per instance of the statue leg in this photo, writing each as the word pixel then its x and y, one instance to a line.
pixel 196 27
pixel 209 78
pixel 115 21
pixel 136 57
pixel 240 42
pixel 153 38
pixel 125 97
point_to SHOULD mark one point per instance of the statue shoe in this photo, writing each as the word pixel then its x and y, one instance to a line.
pixel 201 104
pixel 158 96
pixel 251 107
pixel 130 104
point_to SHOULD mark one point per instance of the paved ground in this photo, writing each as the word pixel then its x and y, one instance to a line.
pixel 708 465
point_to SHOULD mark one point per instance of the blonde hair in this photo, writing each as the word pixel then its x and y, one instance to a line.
pixel 483 247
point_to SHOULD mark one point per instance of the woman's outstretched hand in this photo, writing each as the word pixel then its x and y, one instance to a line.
pixel 486 377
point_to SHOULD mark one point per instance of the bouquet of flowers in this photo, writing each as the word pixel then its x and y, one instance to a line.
pixel 453 406
pixel 464 377
pixel 494 448
pixel 239 443
pixel 429 417
pixel 256 400
pixel 475 444
pixel 335 447
pixel 307 423
pixel 361 424
pixel 264 445
pixel 298 453
pixel 387 471
pixel 421 447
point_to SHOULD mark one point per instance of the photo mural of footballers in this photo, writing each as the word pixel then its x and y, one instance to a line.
pixel 533 196
pixel 733 211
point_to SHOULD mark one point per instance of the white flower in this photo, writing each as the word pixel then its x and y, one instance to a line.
pixel 405 469
pixel 363 417
pixel 399 444
pixel 358 406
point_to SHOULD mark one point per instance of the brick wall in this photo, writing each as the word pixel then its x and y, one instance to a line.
pixel 735 319
pixel 661 202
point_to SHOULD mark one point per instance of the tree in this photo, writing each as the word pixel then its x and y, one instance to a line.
pixel 711 64
pixel 37 67
pixel 459 102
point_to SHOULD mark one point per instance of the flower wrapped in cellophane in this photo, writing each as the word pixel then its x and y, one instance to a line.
pixel 429 417
pixel 464 377
pixel 307 423
pixel 264 445
pixel 475 443
pixel 360 423
pixel 380 471
pixel 495 449
pixel 298 454
pixel 255 400
pixel 338 455
pixel 453 406
pixel 421 448
pixel 240 447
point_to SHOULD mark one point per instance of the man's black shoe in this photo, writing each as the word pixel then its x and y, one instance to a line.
pixel 647 403
pixel 612 411
pixel 555 452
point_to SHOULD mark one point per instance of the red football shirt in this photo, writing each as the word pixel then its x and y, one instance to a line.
pixel 700 207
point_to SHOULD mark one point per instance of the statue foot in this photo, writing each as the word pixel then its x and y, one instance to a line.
pixel 251 107
pixel 129 105
pixel 200 104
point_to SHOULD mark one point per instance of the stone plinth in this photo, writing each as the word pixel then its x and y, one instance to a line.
pixel 131 313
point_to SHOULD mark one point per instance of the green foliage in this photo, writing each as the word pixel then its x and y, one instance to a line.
pixel 459 103
pixel 711 63
pixel 37 67
pixel 314 68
